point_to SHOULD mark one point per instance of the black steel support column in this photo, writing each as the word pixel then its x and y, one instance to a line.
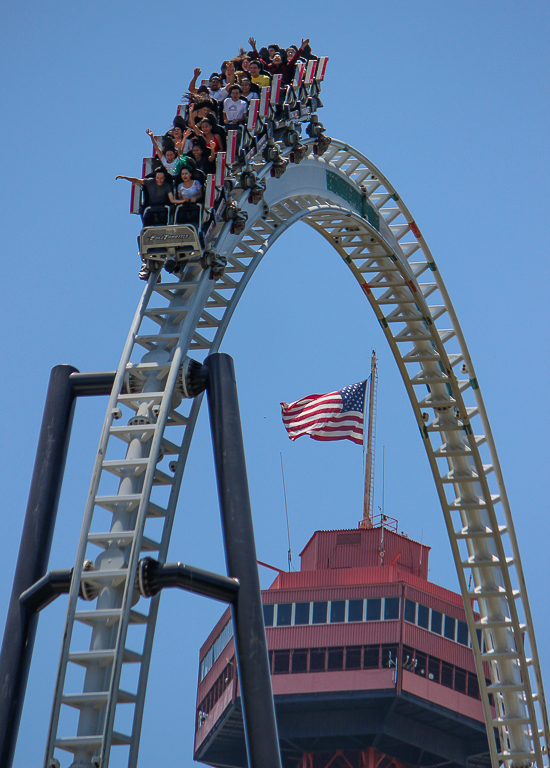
pixel 262 740
pixel 66 383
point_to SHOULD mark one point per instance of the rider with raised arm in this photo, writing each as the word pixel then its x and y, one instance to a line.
pixel 278 65
pixel 158 192
pixel 166 156
pixel 192 88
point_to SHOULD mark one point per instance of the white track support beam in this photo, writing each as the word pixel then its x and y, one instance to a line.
pixel 349 202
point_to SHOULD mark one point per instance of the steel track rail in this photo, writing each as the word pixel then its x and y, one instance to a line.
pixel 344 197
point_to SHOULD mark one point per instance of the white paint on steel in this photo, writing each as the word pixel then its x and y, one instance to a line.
pixel 427 344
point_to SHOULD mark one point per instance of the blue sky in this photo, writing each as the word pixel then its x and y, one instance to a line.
pixel 450 100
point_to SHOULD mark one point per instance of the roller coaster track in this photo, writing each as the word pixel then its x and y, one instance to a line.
pixel 135 485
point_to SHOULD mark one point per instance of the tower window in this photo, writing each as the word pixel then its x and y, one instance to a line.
pixel 410 610
pixel 268 615
pixel 317 660
pixel 437 622
pixel 335 659
pixel 353 657
pixel 299 661
pixel 320 613
pixel 374 607
pixel 355 610
pixel 284 614
pixel 301 613
pixel 391 608
pixel 449 628
pixel 423 616
pixel 337 611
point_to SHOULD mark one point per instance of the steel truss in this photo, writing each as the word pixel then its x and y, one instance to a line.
pixel 345 198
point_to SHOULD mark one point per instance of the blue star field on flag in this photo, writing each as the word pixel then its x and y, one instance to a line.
pixel 333 416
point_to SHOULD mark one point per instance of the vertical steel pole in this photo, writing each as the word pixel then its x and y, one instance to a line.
pixel 34 553
pixel 260 726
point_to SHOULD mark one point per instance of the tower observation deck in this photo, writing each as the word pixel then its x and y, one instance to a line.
pixel 369 660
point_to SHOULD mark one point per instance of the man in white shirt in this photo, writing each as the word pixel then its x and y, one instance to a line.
pixel 216 90
pixel 215 84
pixel 234 108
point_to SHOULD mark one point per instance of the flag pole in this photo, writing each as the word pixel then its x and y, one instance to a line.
pixel 370 437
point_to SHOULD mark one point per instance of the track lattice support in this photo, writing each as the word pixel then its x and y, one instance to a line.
pixel 349 202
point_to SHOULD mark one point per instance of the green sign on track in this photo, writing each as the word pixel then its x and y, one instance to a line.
pixel 347 192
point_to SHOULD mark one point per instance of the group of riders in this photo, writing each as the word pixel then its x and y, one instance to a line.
pixel 186 154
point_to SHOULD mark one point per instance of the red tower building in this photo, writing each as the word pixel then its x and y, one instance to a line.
pixel 371 663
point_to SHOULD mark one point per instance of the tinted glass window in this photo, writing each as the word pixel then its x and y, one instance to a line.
pixel 284 612
pixel 320 613
pixel 473 685
pixel 371 657
pixel 268 615
pixel 433 669
pixel 437 621
pixel 389 653
pixel 301 613
pixel 421 664
pixel 281 662
pixel 446 674
pixel 423 616
pixel 480 640
pixel 373 609
pixel 299 661
pixel 353 658
pixel 335 659
pixel 410 610
pixel 449 627
pixel 462 633
pixel 337 611
pixel 460 680
pixel 407 660
pixel 391 608
pixel 317 660
pixel 355 610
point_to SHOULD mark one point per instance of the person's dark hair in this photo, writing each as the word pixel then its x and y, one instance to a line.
pixel 273 46
pixel 213 75
pixel 170 148
pixel 230 88
pixel 201 143
pixel 209 120
pixel 259 63
pixel 168 143
pixel 204 104
pixel 203 89
pixel 179 122
pixel 161 170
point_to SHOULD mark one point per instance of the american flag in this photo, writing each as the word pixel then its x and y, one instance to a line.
pixel 334 416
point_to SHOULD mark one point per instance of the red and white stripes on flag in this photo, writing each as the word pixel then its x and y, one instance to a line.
pixel 333 416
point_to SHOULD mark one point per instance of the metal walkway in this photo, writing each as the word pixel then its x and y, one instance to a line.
pixel 140 464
